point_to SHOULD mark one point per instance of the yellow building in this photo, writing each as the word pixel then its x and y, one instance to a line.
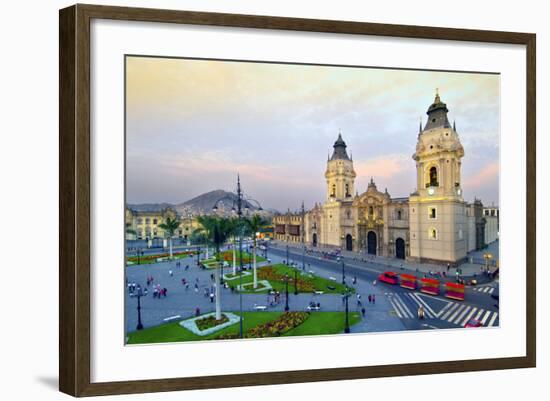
pixel 145 224
pixel 433 224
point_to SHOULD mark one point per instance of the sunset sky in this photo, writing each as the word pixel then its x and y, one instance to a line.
pixel 192 125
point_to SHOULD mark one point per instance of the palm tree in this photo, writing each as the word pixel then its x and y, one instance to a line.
pixel 130 230
pixel 255 224
pixel 170 226
pixel 217 230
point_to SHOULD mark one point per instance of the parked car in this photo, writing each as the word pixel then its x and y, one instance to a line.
pixel 389 278
pixel 473 323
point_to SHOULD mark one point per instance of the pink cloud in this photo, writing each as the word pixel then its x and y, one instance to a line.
pixel 487 174
pixel 384 166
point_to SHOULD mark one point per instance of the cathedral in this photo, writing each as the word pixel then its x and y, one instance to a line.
pixel 432 224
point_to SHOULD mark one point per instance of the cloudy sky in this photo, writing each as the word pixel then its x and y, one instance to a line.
pixel 192 125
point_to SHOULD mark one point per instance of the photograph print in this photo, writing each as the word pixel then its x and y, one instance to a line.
pixel 270 199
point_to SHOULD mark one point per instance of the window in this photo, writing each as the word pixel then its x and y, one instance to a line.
pixel 432 213
pixel 399 215
pixel 154 221
pixel 333 191
pixel 433 177
pixel 347 191
pixel 432 234
pixel 460 234
pixel 371 210
pixel 140 221
pixel 147 221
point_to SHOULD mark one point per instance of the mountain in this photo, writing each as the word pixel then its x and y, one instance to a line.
pixel 150 207
pixel 205 202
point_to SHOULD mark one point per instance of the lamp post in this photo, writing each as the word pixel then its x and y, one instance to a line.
pixel 487 257
pixel 295 281
pixel 303 238
pixel 346 324
pixel 199 256
pixel 238 208
pixel 286 293
pixel 139 254
pixel 287 261
pixel 139 295
pixel 343 272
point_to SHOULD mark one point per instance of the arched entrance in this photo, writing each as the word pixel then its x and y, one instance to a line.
pixel 371 243
pixel 314 239
pixel 349 243
pixel 400 248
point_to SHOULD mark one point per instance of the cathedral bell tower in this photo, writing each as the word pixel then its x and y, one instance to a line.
pixel 437 209
pixel 340 175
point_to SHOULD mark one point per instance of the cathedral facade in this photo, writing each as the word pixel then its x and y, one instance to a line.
pixel 432 224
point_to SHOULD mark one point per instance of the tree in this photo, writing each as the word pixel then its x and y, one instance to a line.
pixel 130 230
pixel 255 224
pixel 170 226
pixel 217 230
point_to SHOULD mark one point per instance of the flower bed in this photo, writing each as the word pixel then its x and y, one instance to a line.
pixel 228 257
pixel 271 274
pixel 210 321
pixel 286 322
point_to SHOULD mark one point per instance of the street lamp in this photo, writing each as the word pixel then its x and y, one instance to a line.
pixel 303 238
pixel 237 207
pixel 346 324
pixel 286 292
pixel 487 257
pixel 295 281
pixel 139 254
pixel 199 255
pixel 343 272
pixel 287 261
pixel 139 295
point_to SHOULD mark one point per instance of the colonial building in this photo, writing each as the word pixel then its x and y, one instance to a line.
pixel 433 224
pixel 145 224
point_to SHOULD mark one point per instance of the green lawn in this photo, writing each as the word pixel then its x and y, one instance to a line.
pixel 307 282
pixel 173 332
pixel 324 323
pixel 317 323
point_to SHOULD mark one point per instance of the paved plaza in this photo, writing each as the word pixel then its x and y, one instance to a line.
pixel 394 310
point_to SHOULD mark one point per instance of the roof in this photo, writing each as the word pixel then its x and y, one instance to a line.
pixel 339 150
pixel 437 114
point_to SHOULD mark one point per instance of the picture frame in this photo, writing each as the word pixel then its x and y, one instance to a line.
pixel 76 208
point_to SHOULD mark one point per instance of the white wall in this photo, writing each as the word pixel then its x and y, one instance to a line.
pixel 28 165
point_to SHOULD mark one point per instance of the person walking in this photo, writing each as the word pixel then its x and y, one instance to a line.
pixel 363 312
pixel 370 298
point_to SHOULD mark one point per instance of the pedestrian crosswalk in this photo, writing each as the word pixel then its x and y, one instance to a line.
pixel 406 305
pixel 485 289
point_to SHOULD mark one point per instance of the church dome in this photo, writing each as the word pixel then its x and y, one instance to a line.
pixel 437 114
pixel 339 152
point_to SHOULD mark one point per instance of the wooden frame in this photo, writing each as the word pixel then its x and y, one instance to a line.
pixel 74 199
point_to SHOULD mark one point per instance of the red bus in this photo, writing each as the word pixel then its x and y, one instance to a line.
pixel 454 291
pixel 429 286
pixel 408 281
